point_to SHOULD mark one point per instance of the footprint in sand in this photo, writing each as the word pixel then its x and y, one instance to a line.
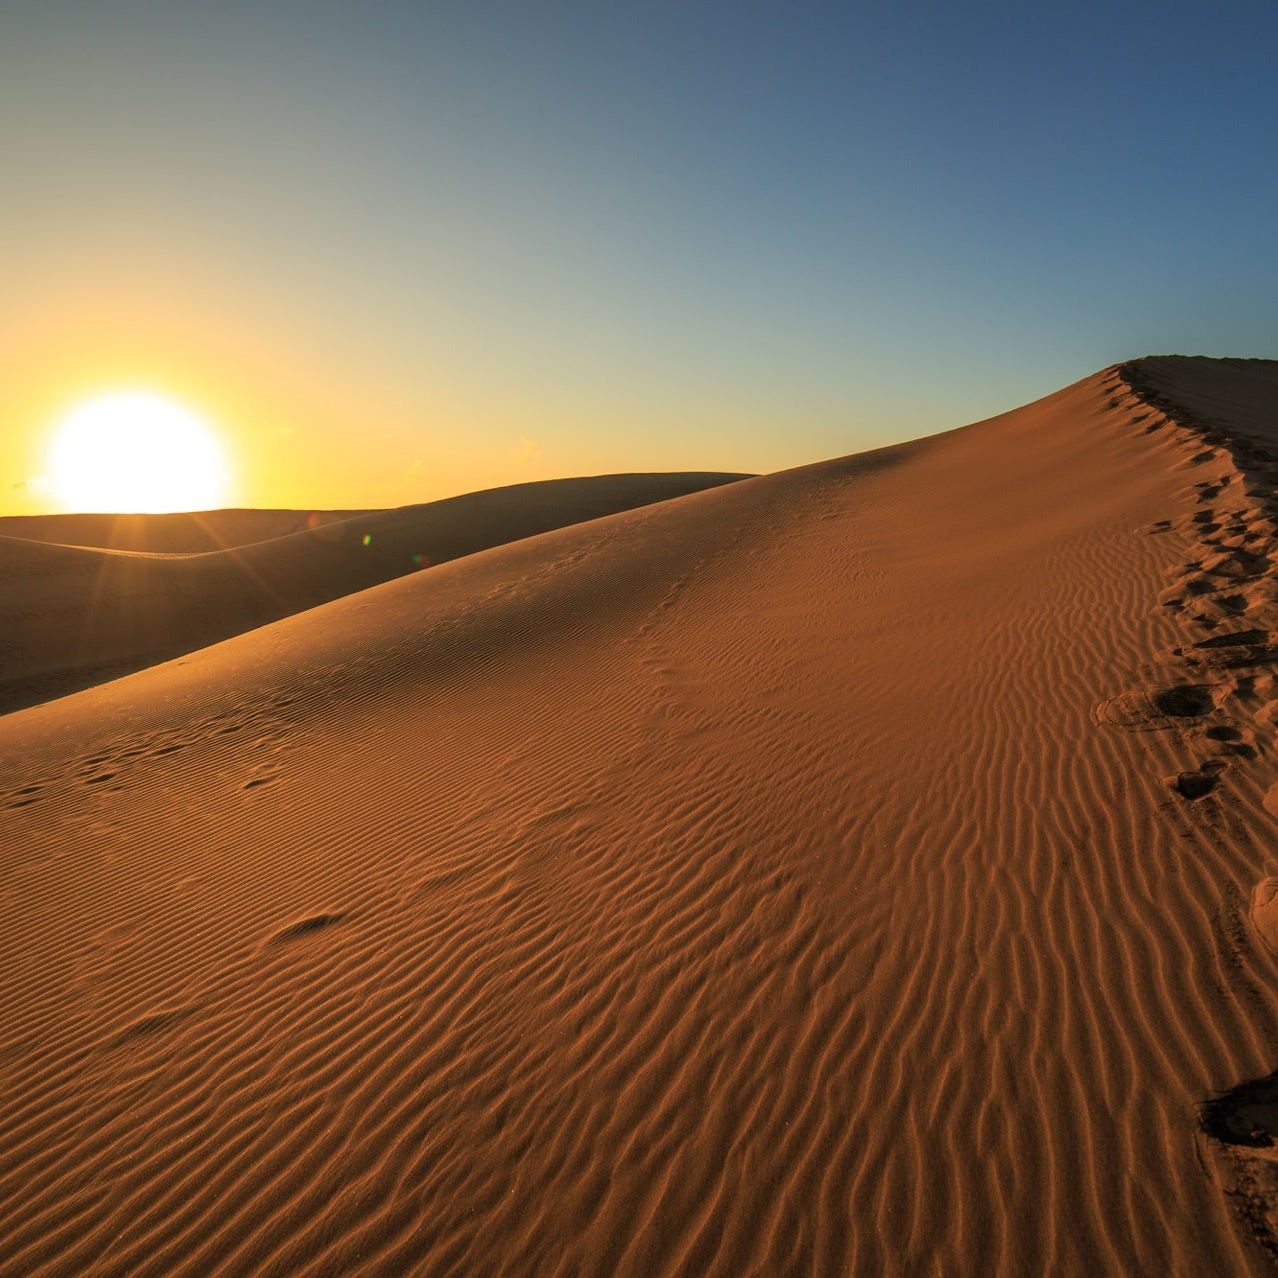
pixel 256 783
pixel 305 926
pixel 1232 741
pixel 1198 784
pixel 1238 639
pixel 1264 906
pixel 1184 700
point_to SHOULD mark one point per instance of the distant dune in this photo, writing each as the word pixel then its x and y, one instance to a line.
pixel 74 615
pixel 858 869
pixel 183 533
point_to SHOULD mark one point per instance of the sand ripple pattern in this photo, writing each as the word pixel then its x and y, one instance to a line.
pixel 762 882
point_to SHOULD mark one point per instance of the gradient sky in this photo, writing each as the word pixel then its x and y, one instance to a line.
pixel 397 251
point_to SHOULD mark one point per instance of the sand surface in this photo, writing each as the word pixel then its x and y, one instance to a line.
pixel 859 869
pixel 183 533
pixel 72 615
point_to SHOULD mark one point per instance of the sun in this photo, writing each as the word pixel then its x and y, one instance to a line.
pixel 136 451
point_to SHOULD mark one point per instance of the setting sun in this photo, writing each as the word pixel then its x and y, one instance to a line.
pixel 136 451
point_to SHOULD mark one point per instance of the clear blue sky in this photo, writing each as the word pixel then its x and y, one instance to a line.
pixel 597 236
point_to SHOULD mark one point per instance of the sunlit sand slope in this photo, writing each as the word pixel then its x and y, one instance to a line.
pixel 72 616
pixel 796 877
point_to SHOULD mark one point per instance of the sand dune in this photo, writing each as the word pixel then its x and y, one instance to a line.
pixel 184 533
pixel 72 616
pixel 848 870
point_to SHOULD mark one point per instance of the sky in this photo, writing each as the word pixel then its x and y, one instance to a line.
pixel 396 251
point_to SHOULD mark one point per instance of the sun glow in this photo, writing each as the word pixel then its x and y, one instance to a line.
pixel 136 451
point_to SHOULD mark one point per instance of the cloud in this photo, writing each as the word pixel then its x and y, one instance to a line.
pixel 528 448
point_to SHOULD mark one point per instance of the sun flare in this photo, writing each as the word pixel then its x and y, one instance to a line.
pixel 136 451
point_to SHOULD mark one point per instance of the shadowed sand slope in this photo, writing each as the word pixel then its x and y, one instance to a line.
pixel 796 877
pixel 183 533
pixel 72 616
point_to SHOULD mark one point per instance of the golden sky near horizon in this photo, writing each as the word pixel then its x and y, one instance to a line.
pixel 297 428
pixel 311 412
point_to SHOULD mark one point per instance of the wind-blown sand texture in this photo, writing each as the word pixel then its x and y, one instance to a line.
pixel 848 870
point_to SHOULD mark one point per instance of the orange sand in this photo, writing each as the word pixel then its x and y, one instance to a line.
pixel 846 870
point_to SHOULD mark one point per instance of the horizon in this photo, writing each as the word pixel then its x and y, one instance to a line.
pixel 404 256
pixel 354 510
